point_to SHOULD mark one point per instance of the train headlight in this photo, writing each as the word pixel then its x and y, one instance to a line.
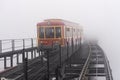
pixel 56 42
pixel 41 41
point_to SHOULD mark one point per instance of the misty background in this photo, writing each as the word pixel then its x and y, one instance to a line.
pixel 100 19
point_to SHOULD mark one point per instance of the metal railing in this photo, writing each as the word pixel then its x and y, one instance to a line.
pixel 11 51
pixel 17 44
pixel 109 77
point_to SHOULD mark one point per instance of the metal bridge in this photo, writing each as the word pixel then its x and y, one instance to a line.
pixel 21 59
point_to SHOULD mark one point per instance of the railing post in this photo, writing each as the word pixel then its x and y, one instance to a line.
pixel 32 47
pixel 13 48
pixel 23 53
pixel 0 46
pixel 47 52
pixel 72 46
pixel 13 45
pixel 41 54
pixel 34 53
pixel 80 41
pixel 25 62
pixel 23 43
pixel 67 50
pixel 11 60
pixel 17 58
pixel 31 42
pixel 25 66
pixel 72 51
pixel 26 54
pixel 5 63
pixel 60 54
pixel 31 54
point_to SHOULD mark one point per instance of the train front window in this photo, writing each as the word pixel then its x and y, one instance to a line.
pixel 41 32
pixel 58 32
pixel 49 32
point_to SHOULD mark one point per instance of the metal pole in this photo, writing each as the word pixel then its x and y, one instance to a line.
pixel 48 64
pixel 80 41
pixel 41 56
pixel 24 65
pixel 31 42
pixel 0 46
pixel 72 52
pixel 31 54
pixel 23 55
pixel 67 50
pixel 17 58
pixel 34 53
pixel 11 60
pixel 25 68
pixel 39 53
pixel 5 63
pixel 72 46
pixel 60 54
pixel 13 45
pixel 32 50
pixel 26 54
pixel 23 43
pixel 13 48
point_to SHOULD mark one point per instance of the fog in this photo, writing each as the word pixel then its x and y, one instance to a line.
pixel 100 19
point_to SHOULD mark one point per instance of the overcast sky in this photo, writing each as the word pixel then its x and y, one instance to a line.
pixel 99 18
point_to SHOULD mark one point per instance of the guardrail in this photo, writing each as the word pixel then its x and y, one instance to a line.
pixel 11 51
pixel 109 77
pixel 16 44
pixel 38 68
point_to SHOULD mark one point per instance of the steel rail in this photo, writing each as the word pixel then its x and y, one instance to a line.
pixel 106 63
pixel 109 73
pixel 86 63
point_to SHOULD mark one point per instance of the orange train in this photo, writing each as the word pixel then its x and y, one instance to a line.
pixel 52 31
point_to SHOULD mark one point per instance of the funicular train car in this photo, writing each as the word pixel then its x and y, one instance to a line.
pixel 58 31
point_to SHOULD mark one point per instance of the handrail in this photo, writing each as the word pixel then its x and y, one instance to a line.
pixel 108 68
pixel 12 44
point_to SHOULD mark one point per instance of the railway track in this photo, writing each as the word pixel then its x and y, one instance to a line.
pixel 35 67
pixel 87 63
pixel 93 67
pixel 98 67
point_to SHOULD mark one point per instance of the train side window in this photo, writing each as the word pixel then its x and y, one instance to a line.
pixel 74 30
pixel 68 29
pixel 41 29
pixel 58 32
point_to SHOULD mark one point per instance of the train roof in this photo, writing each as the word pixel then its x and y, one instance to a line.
pixel 53 22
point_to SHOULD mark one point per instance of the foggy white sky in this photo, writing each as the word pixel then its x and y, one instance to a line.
pixel 99 18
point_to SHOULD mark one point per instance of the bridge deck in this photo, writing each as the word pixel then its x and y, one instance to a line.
pixel 87 63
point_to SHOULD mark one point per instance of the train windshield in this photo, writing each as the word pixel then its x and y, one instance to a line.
pixel 49 32
pixel 41 32
pixel 58 32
